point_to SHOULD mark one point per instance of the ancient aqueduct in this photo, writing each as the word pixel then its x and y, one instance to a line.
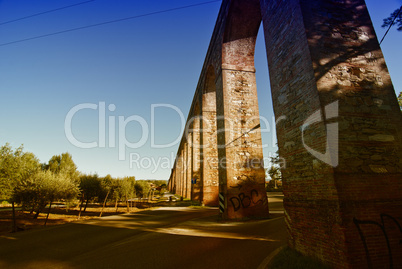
pixel 340 129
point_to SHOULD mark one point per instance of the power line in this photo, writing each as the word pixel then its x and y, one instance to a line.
pixel 108 22
pixel 45 12
pixel 397 15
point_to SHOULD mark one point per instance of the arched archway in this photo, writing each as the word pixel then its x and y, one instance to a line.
pixel 340 130
pixel 326 69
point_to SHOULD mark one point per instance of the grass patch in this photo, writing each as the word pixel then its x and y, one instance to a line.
pixel 291 259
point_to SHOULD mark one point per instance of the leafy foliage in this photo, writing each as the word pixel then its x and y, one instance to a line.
pixel 400 100
pixel 15 165
pixel 397 16
pixel 142 188
pixel 91 187
pixel 44 187
pixel 63 164
pixel 124 188
pixel 275 173
pixel 24 180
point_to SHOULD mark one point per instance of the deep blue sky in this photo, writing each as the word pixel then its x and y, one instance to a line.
pixel 131 64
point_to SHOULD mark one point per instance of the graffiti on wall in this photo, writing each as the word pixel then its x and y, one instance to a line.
pixel 384 231
pixel 246 197
pixel 246 200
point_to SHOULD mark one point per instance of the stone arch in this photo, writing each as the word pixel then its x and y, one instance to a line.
pixel 240 35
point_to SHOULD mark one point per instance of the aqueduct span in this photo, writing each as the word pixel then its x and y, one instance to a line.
pixel 340 130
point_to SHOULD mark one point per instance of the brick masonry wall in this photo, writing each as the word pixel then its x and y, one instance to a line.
pixel 339 124
pixel 196 191
pixel 243 176
pixel 333 57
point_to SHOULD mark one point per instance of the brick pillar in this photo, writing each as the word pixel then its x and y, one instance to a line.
pixel 174 180
pixel 340 132
pixel 189 164
pixel 185 168
pixel 169 185
pixel 181 173
pixel 209 143
pixel 242 175
pixel 244 187
pixel 196 194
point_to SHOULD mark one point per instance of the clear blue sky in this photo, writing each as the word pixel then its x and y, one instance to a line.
pixel 131 64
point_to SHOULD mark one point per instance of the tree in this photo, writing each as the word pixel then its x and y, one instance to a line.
pixel 275 174
pixel 42 188
pixel 123 190
pixel 90 186
pixel 142 188
pixel 274 171
pixel 10 169
pixel 400 100
pixel 63 164
pixel 107 185
pixel 15 165
pixel 394 18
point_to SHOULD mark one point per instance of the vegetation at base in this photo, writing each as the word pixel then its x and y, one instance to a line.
pixel 34 186
pixel 291 259
pixel 275 173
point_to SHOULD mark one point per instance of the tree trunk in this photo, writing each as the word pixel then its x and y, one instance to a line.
pixel 32 209
pixel 86 204
pixel 116 205
pixel 128 205
pixel 48 213
pixel 37 213
pixel 14 219
pixel 104 203
pixel 81 204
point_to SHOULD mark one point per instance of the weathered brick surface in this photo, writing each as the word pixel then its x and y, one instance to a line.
pixel 242 176
pixel 333 56
pixel 209 141
pixel 196 191
pixel 189 166
pixel 339 127
pixel 244 186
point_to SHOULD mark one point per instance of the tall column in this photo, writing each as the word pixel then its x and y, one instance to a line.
pixel 242 174
pixel 185 170
pixel 179 174
pixel 209 139
pixel 174 180
pixel 244 187
pixel 189 163
pixel 169 185
pixel 196 153
pixel 340 135
pixel 182 173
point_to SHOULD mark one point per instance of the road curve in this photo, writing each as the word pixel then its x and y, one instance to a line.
pixel 160 238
